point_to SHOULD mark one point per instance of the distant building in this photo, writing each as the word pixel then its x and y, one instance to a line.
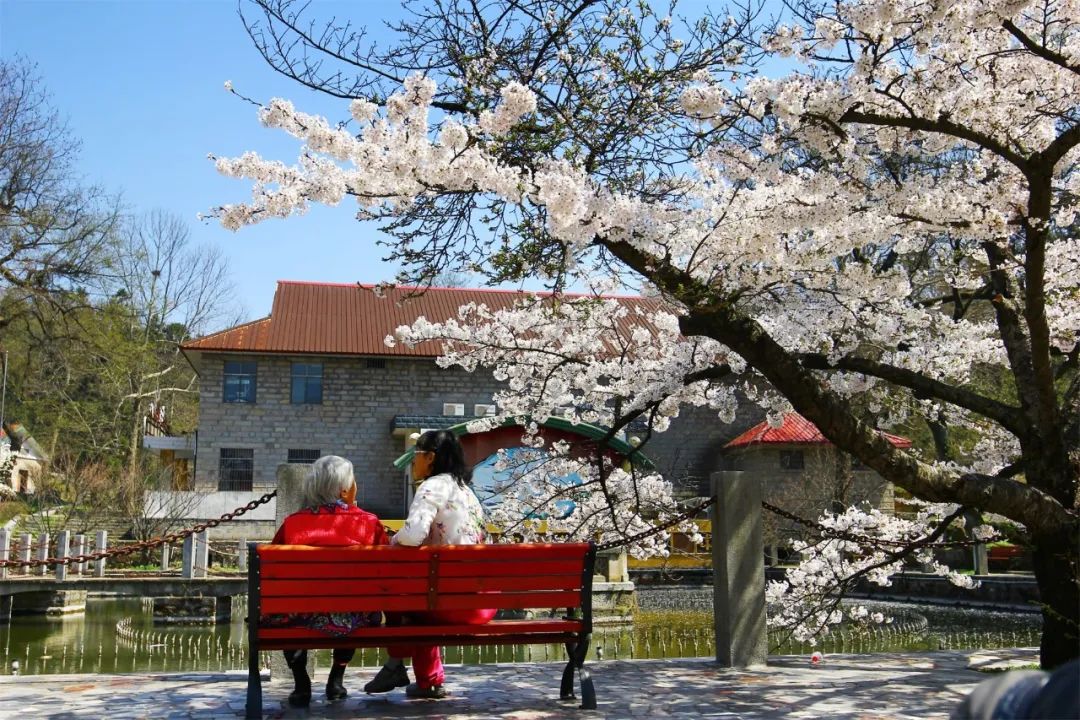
pixel 806 474
pixel 30 459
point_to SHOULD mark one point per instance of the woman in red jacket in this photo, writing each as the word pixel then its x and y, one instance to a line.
pixel 330 517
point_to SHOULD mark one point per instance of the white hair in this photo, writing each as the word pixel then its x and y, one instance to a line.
pixel 330 476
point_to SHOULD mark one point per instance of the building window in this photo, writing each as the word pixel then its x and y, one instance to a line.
pixel 792 460
pixel 306 383
pixel 239 382
pixel 376 363
pixel 236 469
pixel 303 455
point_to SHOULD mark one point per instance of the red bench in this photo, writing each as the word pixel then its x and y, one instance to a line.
pixel 284 579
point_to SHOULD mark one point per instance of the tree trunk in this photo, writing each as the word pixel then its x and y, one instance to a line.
pixel 1056 574
pixel 135 437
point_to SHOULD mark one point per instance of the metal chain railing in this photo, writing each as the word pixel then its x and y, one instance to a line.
pixel 145 544
pixel 681 517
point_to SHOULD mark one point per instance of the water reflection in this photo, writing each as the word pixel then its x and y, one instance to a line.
pixel 118 636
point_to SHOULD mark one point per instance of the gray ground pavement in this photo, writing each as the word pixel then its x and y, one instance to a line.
pixel 888 685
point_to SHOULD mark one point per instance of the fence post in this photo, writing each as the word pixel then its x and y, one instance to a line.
pixel 63 550
pixel 982 564
pixel 42 552
pixel 241 556
pixel 5 551
pixel 80 549
pixel 202 554
pixel 165 557
pixel 188 559
pixel 101 544
pixel 738 570
pixel 26 544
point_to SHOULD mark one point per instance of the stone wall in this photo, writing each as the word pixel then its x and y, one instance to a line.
pixel 690 450
pixel 810 490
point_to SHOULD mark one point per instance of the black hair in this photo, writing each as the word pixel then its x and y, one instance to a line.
pixel 449 455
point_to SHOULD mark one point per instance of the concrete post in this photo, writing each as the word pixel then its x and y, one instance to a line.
pixel 63 550
pixel 771 555
pixel 290 494
pixel 982 561
pixel 101 544
pixel 202 554
pixel 80 549
pixel 738 571
pixel 241 555
pixel 165 557
pixel 42 551
pixel 26 544
pixel 187 560
pixel 5 552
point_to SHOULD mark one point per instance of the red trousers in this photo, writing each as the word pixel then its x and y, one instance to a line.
pixel 426 660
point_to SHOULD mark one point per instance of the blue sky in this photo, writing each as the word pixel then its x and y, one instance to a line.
pixel 141 85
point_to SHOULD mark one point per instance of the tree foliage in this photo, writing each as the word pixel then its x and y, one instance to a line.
pixel 868 234
pixel 54 232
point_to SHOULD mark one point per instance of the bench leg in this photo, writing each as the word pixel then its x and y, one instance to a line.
pixel 577 653
pixel 253 705
pixel 566 690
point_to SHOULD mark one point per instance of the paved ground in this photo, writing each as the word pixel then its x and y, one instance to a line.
pixel 893 685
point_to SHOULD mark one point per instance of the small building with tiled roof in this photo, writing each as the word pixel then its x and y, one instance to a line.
pixel 801 471
pixel 794 429
pixel 21 458
pixel 316 377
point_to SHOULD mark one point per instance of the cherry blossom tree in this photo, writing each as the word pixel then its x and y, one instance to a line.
pixel 860 237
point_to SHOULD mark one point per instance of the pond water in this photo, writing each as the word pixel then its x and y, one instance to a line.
pixel 118 636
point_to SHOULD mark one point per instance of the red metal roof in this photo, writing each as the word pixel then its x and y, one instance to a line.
pixel 351 319
pixel 795 430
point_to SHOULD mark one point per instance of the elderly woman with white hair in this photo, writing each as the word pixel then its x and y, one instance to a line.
pixel 330 517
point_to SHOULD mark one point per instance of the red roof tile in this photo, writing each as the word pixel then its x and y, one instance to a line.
pixel 350 319
pixel 795 430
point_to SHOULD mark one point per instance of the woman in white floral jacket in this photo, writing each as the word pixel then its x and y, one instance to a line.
pixel 444 511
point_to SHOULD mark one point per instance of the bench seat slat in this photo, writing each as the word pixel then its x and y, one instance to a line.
pixel 341 570
pixel 367 641
pixel 468 601
pixel 492 629
pixel 417 585
pixel 447 553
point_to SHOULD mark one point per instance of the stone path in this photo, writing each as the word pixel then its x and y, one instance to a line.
pixel 862 687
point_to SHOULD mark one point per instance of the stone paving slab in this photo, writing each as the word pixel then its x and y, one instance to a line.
pixel 859 687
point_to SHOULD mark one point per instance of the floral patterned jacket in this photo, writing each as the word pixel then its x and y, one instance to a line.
pixel 443 513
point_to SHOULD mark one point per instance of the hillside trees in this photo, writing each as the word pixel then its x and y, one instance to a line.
pixel 875 229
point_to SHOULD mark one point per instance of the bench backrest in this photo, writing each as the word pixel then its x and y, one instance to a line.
pixel 305 579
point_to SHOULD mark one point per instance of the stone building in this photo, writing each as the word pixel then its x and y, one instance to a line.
pixel 316 377
pixel 805 474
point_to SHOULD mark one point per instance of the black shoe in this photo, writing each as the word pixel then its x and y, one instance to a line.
pixel 335 690
pixel 300 698
pixel 435 692
pixel 387 679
